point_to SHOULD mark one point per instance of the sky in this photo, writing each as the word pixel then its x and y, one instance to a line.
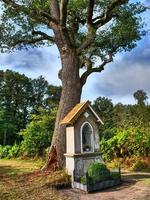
pixel 128 73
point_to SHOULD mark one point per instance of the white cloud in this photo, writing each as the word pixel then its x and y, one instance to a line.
pixel 34 63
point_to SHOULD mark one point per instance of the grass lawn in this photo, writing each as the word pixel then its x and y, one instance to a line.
pixel 141 178
pixel 16 167
pixel 20 180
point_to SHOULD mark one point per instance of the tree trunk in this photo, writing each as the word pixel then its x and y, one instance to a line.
pixel 71 93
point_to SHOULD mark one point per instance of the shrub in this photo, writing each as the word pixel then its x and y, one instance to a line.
pixel 4 151
pixel 14 151
pixel 98 172
pixel 83 180
pixel 139 165
pixel 38 134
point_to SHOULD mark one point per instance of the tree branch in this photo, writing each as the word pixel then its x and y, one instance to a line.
pixel 46 15
pixel 108 14
pixel 63 12
pixel 100 68
pixel 88 39
pixel 37 15
pixel 13 4
pixel 54 10
pixel 91 29
pixel 44 35
pixel 105 17
pixel 90 11
pixel 30 41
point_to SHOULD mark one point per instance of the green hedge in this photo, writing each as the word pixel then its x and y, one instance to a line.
pixel 98 172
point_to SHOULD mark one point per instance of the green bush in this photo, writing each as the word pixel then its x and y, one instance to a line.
pixel 98 172
pixel 126 142
pixel 4 151
pixel 38 134
pixel 83 180
pixel 139 165
pixel 14 151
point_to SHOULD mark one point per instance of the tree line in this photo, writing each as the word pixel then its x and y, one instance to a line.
pixel 20 98
pixel 126 128
pixel 28 109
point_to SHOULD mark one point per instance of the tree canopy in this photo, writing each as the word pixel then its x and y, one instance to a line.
pixel 140 96
pixel 20 97
pixel 97 29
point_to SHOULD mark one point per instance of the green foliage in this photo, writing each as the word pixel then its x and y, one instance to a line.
pixel 40 89
pixel 15 101
pixel 20 97
pixel 127 142
pixel 54 94
pixel 26 102
pixel 19 23
pixel 9 151
pixel 130 135
pixel 83 180
pixel 38 134
pixel 98 172
pixel 4 151
pixel 141 97
pixel 104 107
pixel 14 151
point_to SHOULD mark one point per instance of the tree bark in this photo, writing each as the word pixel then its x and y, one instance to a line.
pixel 71 94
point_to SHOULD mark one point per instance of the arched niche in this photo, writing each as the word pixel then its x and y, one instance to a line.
pixel 87 144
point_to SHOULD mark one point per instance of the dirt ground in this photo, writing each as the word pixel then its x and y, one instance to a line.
pixel 135 186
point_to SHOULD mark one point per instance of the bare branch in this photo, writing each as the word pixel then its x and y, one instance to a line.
pixel 63 12
pixel 90 11
pixel 108 14
pixel 48 16
pixel 100 68
pixel 44 35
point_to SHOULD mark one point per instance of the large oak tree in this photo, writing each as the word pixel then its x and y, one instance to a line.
pixel 88 34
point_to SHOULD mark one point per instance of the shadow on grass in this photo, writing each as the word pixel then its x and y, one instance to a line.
pixel 136 177
pixel 10 171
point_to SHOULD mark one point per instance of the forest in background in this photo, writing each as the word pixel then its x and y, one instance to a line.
pixel 28 109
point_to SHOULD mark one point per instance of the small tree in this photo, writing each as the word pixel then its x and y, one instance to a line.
pixel 141 97
pixel 38 134
pixel 104 107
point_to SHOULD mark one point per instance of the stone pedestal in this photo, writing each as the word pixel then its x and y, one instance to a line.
pixel 80 162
